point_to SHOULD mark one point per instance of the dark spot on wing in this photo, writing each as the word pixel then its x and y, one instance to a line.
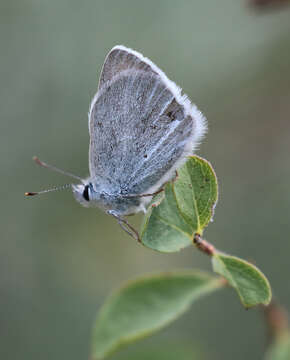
pixel 174 111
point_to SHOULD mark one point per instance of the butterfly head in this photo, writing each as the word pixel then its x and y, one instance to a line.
pixel 83 193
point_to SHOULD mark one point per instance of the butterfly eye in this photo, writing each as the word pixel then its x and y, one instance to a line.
pixel 86 193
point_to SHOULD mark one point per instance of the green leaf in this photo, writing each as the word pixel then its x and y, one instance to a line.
pixel 145 305
pixel 280 349
pixel 250 283
pixel 184 208
pixel 164 228
pixel 196 192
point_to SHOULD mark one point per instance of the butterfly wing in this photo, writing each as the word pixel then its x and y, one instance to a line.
pixel 121 58
pixel 141 127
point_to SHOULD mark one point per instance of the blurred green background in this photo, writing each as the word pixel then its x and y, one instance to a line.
pixel 58 261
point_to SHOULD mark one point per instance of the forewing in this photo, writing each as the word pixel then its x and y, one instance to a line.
pixel 139 131
pixel 121 58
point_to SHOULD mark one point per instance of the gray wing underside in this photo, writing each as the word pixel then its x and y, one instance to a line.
pixel 121 59
pixel 138 131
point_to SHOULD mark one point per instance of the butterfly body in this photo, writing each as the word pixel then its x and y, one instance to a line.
pixel 141 129
pixel 93 194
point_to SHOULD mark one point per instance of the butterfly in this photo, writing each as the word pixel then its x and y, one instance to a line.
pixel 141 131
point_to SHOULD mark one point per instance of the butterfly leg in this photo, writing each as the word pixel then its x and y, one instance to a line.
pixel 125 225
pixel 143 195
pixel 152 194
pixel 161 189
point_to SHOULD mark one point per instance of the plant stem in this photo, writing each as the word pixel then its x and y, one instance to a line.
pixel 276 319
pixel 203 245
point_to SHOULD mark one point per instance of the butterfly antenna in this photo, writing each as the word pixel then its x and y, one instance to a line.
pixel 49 190
pixel 53 168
